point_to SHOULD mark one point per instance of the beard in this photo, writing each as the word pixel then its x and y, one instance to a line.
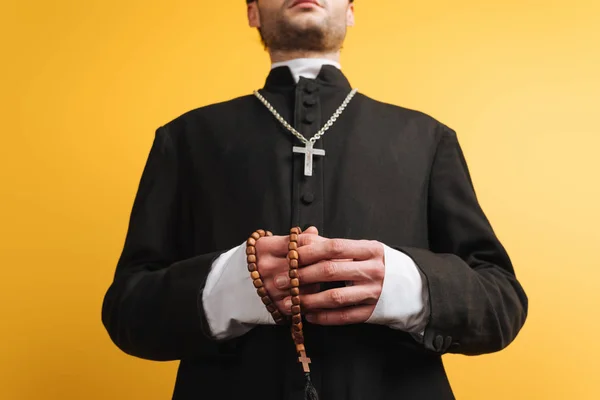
pixel 279 33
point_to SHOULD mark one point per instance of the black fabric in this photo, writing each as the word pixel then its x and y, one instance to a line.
pixel 217 173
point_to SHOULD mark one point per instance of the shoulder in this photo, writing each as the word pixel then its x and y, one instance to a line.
pixel 192 120
pixel 415 120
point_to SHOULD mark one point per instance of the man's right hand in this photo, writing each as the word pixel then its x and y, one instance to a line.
pixel 273 265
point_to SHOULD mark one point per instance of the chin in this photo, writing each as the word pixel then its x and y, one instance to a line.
pixel 307 20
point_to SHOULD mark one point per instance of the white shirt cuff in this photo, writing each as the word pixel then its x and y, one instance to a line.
pixel 231 305
pixel 404 299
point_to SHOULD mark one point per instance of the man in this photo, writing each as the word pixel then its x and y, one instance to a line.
pixel 398 263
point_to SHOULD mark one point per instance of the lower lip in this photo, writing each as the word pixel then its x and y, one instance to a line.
pixel 305 4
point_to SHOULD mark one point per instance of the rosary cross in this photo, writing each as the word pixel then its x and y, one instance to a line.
pixel 304 360
pixel 308 152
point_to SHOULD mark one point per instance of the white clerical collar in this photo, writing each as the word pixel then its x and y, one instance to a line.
pixel 306 67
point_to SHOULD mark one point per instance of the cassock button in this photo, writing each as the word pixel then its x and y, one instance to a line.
pixel 310 101
pixel 311 87
pixel 438 343
pixel 309 118
pixel 308 198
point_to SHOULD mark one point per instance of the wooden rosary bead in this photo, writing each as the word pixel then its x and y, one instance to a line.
pixel 297 327
pixel 276 314
pixel 293 237
pixel 271 308
pixel 293 246
pixel 250 250
pixel 296 309
pixel 252 267
pixel 262 292
pixel 294 273
pixel 258 283
pixel 300 348
pixel 295 230
pixel 295 282
pixel 251 259
pixel 295 291
pixel 269 233
pixel 293 263
pixel 293 255
pixel 295 300
pixel 261 232
pixel 255 236
pixel 255 275
pixel 266 300
pixel 296 318
pixel 299 337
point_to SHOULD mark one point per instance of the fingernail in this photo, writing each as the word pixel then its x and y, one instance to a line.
pixel 280 281
pixel 288 304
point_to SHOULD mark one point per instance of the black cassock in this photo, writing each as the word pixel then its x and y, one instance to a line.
pixel 217 173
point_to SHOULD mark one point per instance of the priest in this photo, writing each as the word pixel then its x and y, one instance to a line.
pixel 312 204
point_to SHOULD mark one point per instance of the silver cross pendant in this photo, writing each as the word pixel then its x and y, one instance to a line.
pixel 308 152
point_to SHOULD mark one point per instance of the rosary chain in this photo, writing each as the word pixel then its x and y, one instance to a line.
pixel 322 131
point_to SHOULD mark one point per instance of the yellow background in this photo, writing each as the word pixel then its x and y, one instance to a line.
pixel 84 84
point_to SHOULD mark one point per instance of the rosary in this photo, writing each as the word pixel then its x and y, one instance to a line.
pixel 297 333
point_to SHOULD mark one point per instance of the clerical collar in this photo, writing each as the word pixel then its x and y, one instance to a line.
pixel 283 78
pixel 306 67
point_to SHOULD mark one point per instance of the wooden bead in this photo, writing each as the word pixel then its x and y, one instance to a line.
pixel 295 282
pixel 258 283
pixel 251 242
pixel 296 309
pixel 261 232
pixel 295 300
pixel 266 300
pixel 269 233
pixel 300 348
pixel 255 236
pixel 293 263
pixel 293 255
pixel 250 250
pixel 295 230
pixel 298 338
pixel 297 327
pixel 251 258
pixel 293 237
pixel 255 275
pixel 276 314
pixel 271 308
pixel 295 291
pixel 294 273
pixel 262 292
pixel 252 267
pixel 293 246
pixel 296 318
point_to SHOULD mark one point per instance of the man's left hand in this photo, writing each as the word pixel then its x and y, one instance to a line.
pixel 360 262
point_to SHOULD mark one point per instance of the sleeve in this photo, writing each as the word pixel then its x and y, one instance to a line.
pixel 403 303
pixel 476 304
pixel 153 308
pixel 232 316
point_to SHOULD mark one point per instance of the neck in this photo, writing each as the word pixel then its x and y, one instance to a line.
pixel 281 56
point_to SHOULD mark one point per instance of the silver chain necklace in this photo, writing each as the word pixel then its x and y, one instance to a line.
pixel 308 150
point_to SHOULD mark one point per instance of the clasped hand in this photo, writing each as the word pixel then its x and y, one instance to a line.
pixel 360 262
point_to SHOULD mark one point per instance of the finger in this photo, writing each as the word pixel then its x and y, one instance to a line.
pixel 341 297
pixel 285 305
pixel 305 239
pixel 276 246
pixel 344 316
pixel 340 249
pixel 312 230
pixel 336 271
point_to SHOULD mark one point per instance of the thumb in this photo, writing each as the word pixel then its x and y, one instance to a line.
pixel 312 230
